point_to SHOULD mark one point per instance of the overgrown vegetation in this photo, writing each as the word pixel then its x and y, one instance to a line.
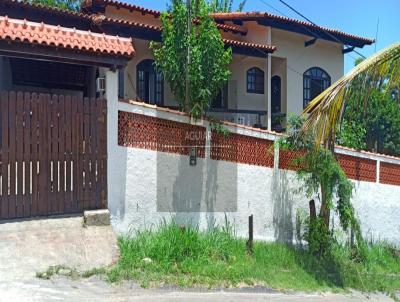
pixel 60 270
pixel 186 257
pixel 192 59
pixel 72 5
pixel 72 273
pixel 323 179
pixel 381 71
pixel 377 128
pixel 371 118
pixel 217 126
pixel 225 6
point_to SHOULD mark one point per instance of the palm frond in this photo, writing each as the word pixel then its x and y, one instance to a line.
pixel 324 113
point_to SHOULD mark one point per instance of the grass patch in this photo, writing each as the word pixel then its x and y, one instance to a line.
pixel 187 257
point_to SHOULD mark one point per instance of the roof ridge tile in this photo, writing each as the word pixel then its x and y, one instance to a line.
pixel 50 35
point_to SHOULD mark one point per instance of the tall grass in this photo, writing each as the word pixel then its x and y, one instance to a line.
pixel 186 257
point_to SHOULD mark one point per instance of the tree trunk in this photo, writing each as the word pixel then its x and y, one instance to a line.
pixel 313 211
pixel 325 210
pixel 313 216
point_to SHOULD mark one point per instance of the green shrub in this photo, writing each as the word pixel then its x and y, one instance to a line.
pixel 187 257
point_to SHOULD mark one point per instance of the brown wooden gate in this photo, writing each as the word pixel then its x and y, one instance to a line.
pixel 53 154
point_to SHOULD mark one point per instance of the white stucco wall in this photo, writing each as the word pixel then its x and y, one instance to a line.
pixel 143 52
pixel 146 186
pixel 242 99
pixel 324 54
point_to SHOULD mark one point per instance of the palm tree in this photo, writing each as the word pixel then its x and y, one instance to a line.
pixel 326 110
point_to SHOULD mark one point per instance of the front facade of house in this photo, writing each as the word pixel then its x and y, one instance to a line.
pixel 278 65
pixel 84 123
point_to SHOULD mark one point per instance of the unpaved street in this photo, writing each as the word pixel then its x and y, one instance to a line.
pixel 94 289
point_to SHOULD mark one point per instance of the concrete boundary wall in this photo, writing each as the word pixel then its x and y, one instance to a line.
pixel 147 184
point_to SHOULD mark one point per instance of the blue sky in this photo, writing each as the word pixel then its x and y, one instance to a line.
pixel 359 17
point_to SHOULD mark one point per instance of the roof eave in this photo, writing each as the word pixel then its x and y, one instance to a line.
pixel 49 53
pixel 99 6
pixel 290 25
pixel 317 33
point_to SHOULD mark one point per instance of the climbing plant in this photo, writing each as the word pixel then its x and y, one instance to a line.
pixel 323 178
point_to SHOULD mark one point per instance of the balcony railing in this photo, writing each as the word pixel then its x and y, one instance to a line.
pixel 252 118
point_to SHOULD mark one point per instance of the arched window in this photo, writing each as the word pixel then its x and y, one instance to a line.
pixel 255 80
pixel 150 83
pixel 315 80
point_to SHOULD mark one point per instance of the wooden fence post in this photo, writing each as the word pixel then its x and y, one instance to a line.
pixel 250 241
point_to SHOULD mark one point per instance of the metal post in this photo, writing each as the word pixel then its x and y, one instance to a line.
pixel 250 241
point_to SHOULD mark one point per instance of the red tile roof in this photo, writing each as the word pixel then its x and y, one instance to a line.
pixel 87 4
pixel 57 36
pixel 233 28
pixel 264 15
pixel 261 47
pixel 99 19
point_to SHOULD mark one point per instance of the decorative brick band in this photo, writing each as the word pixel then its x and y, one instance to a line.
pixel 389 174
pixel 288 159
pixel 242 149
pixel 153 133
pixel 357 168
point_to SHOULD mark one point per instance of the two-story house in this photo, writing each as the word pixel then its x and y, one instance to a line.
pixel 279 64
pixel 71 142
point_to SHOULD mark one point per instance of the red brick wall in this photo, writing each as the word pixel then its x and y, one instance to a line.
pixel 389 174
pixel 242 149
pixel 358 168
pixel 147 132
pixel 153 133
pixel 288 159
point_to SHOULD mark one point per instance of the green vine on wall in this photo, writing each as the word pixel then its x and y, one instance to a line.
pixel 218 127
pixel 323 176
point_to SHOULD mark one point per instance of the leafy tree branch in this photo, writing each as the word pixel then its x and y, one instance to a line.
pixel 225 6
pixel 207 70
pixel 72 5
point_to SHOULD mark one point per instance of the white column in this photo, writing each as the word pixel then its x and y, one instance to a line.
pixel 378 171
pixel 114 158
pixel 268 81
